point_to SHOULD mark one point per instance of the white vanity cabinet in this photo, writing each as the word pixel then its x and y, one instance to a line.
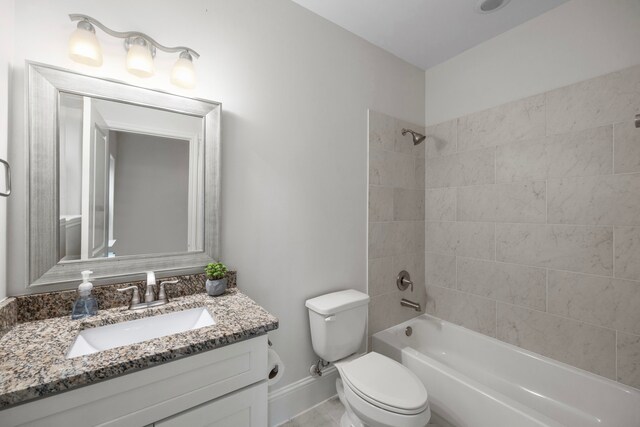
pixel 221 387
pixel 246 407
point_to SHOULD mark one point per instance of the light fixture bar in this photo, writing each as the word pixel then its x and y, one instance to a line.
pixel 132 34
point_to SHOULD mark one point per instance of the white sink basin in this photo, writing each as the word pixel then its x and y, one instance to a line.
pixel 106 337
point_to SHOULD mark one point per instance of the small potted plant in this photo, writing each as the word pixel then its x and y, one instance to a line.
pixel 216 278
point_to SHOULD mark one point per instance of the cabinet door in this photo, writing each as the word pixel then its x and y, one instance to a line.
pixel 243 408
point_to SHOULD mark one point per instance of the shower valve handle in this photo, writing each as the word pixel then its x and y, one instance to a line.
pixel 404 281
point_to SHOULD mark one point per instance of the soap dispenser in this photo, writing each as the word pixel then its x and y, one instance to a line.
pixel 85 305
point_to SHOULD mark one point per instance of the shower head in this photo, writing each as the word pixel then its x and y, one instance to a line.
pixel 417 137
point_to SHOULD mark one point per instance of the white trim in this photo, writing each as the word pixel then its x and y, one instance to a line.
pixel 144 130
pixel 287 402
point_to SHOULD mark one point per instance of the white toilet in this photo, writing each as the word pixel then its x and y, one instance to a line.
pixel 375 390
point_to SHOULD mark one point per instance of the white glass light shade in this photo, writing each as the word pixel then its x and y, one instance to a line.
pixel 140 61
pixel 84 47
pixel 183 73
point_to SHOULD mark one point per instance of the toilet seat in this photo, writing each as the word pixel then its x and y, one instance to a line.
pixel 385 383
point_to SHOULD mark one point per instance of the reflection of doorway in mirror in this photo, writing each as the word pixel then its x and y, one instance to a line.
pixel 131 180
pixel 95 164
pixel 112 181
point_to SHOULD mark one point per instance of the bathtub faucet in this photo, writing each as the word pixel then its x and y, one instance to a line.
pixel 406 303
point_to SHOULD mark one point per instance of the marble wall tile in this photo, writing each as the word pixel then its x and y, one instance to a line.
pixel 441 237
pixel 565 247
pixel 395 238
pixel 470 168
pixel 411 238
pixel 420 173
pixel 585 346
pixel 470 239
pixel 626 151
pixel 602 301
pixel 440 270
pixel 627 252
pixel 603 100
pixel 442 139
pixel 515 284
pixel 440 204
pixel 408 204
pixel 517 202
pixel 476 240
pixel 584 153
pixel 383 131
pixel 521 208
pixel 628 347
pixel 381 276
pixel 385 310
pixel 522 119
pixel 391 169
pixel 382 239
pixel 380 203
pixel 600 200
pixel 470 311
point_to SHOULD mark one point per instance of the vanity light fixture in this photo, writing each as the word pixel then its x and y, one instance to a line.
pixel 141 49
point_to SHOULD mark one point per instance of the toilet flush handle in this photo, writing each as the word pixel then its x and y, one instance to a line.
pixel 330 318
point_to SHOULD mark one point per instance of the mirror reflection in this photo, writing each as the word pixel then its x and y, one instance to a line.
pixel 131 180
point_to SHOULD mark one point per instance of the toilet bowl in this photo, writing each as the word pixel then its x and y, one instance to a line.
pixel 380 392
pixel 375 390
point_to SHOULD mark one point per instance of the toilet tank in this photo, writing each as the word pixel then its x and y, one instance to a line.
pixel 338 323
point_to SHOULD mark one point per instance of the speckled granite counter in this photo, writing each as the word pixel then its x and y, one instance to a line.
pixel 33 361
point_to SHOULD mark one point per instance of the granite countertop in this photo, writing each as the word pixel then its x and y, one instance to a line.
pixel 33 361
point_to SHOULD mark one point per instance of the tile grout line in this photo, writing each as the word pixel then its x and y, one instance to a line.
pixel 522 307
pixel 546 290
pixel 616 357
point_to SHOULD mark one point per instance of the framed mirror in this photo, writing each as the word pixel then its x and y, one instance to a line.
pixel 122 179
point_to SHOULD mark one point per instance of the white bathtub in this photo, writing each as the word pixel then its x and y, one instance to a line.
pixel 477 381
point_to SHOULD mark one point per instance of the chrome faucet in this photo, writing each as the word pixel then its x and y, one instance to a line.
pixel 148 292
pixel 149 295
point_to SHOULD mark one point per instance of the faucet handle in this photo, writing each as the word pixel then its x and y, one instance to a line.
pixel 403 281
pixel 162 295
pixel 135 297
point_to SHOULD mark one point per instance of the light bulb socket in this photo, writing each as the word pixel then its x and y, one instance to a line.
pixel 186 55
pixel 139 41
pixel 86 25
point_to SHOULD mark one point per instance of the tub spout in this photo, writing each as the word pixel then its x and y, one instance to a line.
pixel 406 303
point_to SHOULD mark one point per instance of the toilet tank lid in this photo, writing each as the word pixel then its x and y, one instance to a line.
pixel 336 302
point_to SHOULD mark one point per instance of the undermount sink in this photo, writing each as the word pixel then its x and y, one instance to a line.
pixel 107 337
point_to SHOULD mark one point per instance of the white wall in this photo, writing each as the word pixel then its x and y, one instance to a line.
pixel 151 194
pixel 295 91
pixel 6 53
pixel 576 41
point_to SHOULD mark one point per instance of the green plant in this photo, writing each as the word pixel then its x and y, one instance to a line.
pixel 215 271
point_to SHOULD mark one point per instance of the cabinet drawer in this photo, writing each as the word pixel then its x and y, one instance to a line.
pixel 243 408
pixel 143 397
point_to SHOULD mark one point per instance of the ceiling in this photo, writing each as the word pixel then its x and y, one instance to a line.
pixel 425 32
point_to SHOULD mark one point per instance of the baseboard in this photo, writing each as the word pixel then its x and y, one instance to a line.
pixel 289 401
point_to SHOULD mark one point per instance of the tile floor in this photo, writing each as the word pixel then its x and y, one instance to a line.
pixel 326 414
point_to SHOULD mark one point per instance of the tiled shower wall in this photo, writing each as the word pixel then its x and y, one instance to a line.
pixel 533 224
pixel 396 220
